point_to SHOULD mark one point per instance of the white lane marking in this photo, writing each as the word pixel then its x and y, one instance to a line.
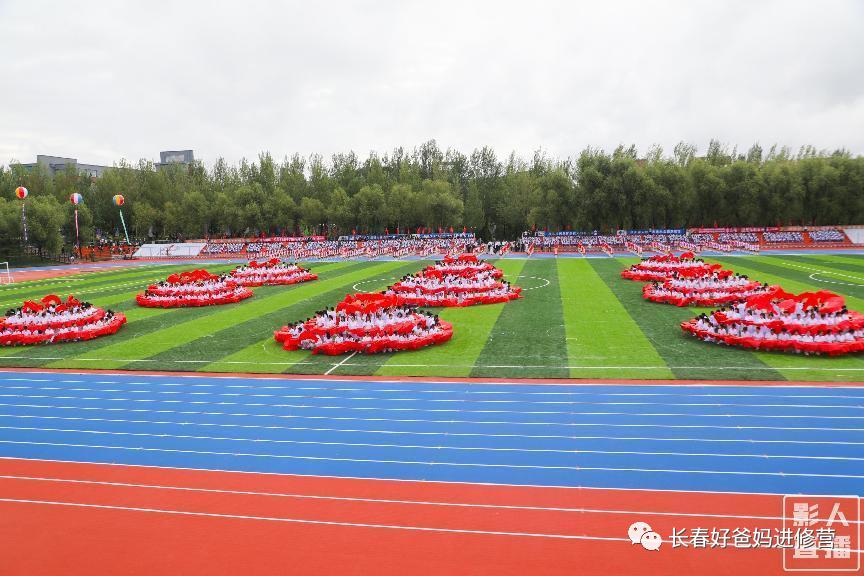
pixel 385 479
pixel 425 420
pixel 416 433
pixel 426 463
pixel 413 390
pixel 378 408
pixel 520 366
pixel 707 384
pixel 449 400
pixel 425 447
pixel 306 521
pixel 335 366
pixel 390 501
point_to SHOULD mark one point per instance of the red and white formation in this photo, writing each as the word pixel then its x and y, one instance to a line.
pixel 455 282
pixel 663 267
pixel 692 288
pixel 366 323
pixel 809 323
pixel 272 272
pixel 465 264
pixel 55 320
pixel 193 288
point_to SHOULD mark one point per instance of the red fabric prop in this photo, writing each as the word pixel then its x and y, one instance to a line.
pixel 273 272
pixel 809 323
pixel 366 323
pixel 54 320
pixel 191 289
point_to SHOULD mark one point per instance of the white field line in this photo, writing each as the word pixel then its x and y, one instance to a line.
pixel 409 399
pixel 140 283
pixel 335 366
pixel 436 448
pixel 423 420
pixel 186 423
pixel 519 366
pixel 431 463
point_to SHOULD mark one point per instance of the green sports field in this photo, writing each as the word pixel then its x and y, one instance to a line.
pixel 577 319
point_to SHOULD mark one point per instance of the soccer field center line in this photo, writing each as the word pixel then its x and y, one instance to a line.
pixel 424 433
pixel 440 400
pixel 478 505
pixel 450 390
pixel 425 447
pixel 313 522
pixel 335 366
pixel 421 420
pixel 458 411
pixel 521 366
pixel 427 463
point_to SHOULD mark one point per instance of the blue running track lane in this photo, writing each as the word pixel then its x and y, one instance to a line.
pixel 750 439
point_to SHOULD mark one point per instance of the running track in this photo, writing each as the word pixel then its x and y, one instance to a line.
pixel 217 475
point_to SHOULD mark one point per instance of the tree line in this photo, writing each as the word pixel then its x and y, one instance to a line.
pixel 434 189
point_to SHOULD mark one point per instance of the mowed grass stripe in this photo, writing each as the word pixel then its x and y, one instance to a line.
pixel 221 343
pixel 143 331
pixel 825 273
pixel 117 298
pixel 528 339
pixel 686 356
pixel 90 286
pixel 359 364
pixel 849 268
pixel 265 355
pixel 471 328
pixel 798 366
pixel 788 272
pixel 599 330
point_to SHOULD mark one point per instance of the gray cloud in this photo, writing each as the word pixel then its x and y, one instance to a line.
pixel 108 80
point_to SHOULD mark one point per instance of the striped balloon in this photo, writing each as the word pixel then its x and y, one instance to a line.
pixel 118 200
pixel 21 192
pixel 76 198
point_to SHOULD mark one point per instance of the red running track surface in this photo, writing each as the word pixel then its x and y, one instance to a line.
pixel 142 520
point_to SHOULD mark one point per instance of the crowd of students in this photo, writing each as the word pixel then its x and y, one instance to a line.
pixel 717 288
pixel 195 288
pixel 827 236
pixel 272 272
pixel 808 323
pixel 365 323
pixel 55 320
pixel 662 267
pixel 783 236
pixel 460 281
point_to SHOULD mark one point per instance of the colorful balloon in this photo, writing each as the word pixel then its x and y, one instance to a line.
pixel 76 198
pixel 118 200
pixel 21 192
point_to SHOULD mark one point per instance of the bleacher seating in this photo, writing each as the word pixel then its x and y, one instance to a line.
pixel 827 236
pixel 783 237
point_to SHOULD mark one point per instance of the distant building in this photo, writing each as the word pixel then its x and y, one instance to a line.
pixel 55 164
pixel 169 157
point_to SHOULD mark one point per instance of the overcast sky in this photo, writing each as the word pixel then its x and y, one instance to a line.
pixel 101 81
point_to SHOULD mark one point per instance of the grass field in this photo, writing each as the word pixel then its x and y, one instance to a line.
pixel 577 319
